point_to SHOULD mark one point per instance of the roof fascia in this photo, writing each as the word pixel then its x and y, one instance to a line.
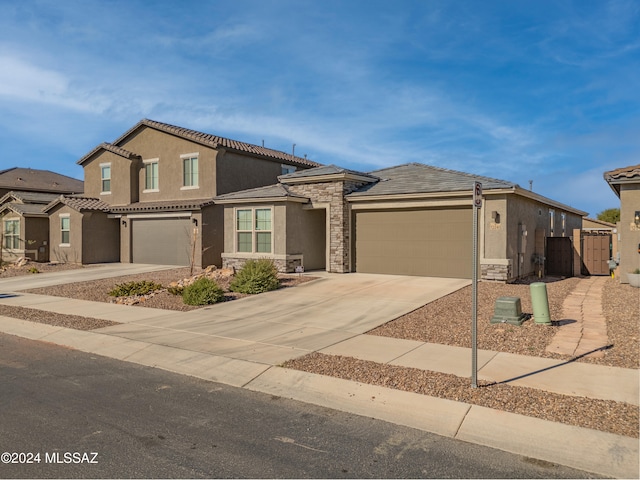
pixel 231 201
pixel 332 177
pixel 542 199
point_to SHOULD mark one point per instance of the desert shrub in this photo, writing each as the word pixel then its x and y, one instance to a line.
pixel 175 290
pixel 134 288
pixel 203 291
pixel 33 270
pixel 256 276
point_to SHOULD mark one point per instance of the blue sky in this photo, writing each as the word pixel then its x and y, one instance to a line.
pixel 547 91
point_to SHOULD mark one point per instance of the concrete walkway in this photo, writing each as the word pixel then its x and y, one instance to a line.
pixel 243 343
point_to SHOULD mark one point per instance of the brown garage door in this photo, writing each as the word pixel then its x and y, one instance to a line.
pixel 162 241
pixel 425 242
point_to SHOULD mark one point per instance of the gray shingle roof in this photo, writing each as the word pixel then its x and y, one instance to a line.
pixel 420 178
pixel 323 170
pixel 215 141
pixel 29 179
pixel 270 191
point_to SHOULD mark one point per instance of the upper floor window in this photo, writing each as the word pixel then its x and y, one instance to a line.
pixel 552 221
pixel 563 219
pixel 105 177
pixel 190 170
pixel 12 234
pixel 253 230
pixel 65 230
pixel 151 175
pixel 287 169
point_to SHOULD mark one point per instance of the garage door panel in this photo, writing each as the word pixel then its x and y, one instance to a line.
pixel 163 241
pixel 414 242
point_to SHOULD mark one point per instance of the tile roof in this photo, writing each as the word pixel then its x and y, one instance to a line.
pixel 323 170
pixel 109 147
pixel 29 179
pixel 25 209
pixel 29 197
pixel 79 203
pixel 270 191
pixel 214 141
pixel 420 178
pixel 163 206
pixel 615 177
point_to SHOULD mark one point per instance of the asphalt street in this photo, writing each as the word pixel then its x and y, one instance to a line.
pixel 77 415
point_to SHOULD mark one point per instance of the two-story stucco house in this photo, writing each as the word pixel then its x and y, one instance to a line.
pixel 148 196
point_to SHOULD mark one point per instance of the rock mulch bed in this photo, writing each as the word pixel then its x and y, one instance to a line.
pixel 56 319
pixel 20 268
pixel 604 415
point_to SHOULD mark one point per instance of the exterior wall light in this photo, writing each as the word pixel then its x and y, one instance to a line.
pixel 636 218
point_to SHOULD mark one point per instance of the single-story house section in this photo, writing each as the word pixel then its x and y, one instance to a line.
pixel 80 231
pixel 159 181
pixel 25 226
pixel 625 183
pixel 412 219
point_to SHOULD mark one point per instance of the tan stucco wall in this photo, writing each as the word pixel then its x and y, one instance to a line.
pixel 124 187
pixel 36 235
pixel 536 217
pixel 73 252
pixel 237 172
pixel 150 143
pixel 495 230
pixel 629 233
pixel 101 238
pixel 306 235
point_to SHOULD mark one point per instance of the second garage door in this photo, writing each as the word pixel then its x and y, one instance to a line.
pixel 425 242
pixel 161 241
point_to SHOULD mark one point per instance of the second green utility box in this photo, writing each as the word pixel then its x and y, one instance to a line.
pixel 540 303
pixel 508 310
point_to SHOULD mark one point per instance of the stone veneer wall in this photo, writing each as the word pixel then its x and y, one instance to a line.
pixel 500 273
pixel 333 193
pixel 283 265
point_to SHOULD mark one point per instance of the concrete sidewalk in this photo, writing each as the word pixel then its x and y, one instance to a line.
pixel 243 343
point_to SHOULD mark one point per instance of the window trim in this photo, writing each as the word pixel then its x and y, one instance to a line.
pixel 63 216
pixel 15 236
pixel 254 230
pixel 103 179
pixel 146 163
pixel 185 157
pixel 552 222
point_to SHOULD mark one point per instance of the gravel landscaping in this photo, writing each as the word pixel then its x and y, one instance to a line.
pixel 444 321
pixel 11 270
pixel 56 319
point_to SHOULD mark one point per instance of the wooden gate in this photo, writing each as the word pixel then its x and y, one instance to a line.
pixel 559 256
pixel 596 252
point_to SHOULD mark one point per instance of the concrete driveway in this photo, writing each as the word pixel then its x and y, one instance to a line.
pixel 276 326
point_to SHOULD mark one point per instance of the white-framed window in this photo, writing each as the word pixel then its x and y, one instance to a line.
pixel 151 175
pixel 563 220
pixel 552 221
pixel 12 234
pixel 254 230
pixel 65 230
pixel 105 177
pixel 286 169
pixel 189 170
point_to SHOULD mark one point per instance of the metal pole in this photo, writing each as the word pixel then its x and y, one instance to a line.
pixel 474 303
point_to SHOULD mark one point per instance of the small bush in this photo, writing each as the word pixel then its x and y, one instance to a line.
pixel 33 270
pixel 134 288
pixel 203 291
pixel 256 276
pixel 175 290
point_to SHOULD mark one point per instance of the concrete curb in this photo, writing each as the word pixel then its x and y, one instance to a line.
pixel 585 449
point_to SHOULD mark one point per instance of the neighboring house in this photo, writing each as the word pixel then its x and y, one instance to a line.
pixel 625 182
pixel 411 219
pixel 24 192
pixel 155 185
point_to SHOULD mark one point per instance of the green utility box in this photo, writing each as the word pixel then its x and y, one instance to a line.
pixel 508 310
pixel 540 303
